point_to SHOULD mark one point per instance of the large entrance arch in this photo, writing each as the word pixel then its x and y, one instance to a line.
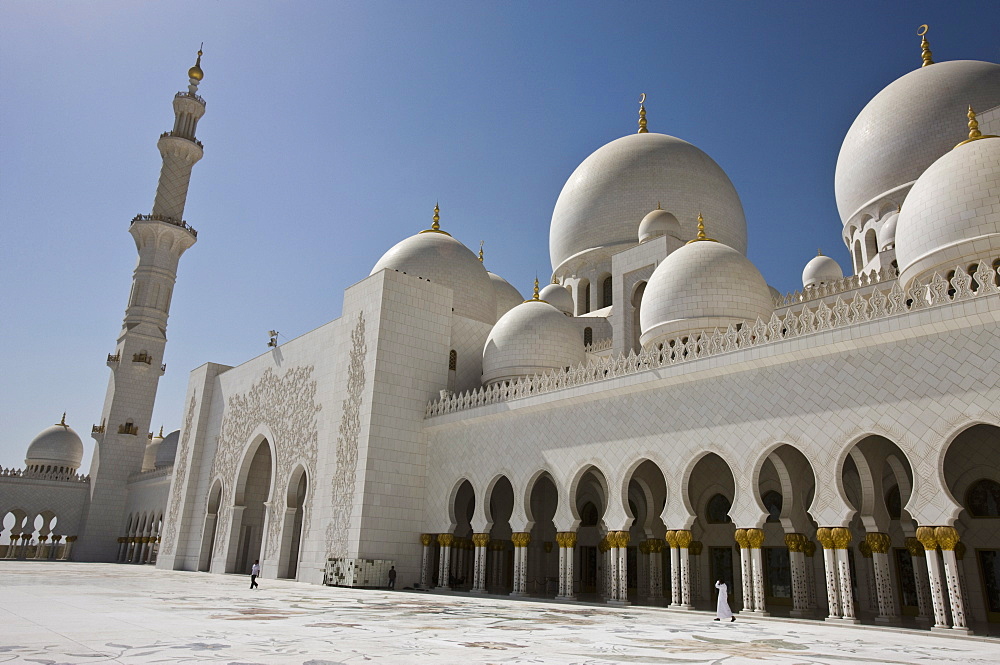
pixel 251 500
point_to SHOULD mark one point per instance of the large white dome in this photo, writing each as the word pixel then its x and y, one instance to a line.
pixel 168 449
pixel 702 286
pixel 605 198
pixel 532 338
pixel 507 296
pixel 56 446
pixel 952 215
pixel 557 296
pixel 441 259
pixel 907 126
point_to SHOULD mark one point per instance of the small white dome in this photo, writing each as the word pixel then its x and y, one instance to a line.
pixel 600 205
pixel 557 296
pixel 532 338
pixel 439 258
pixel 901 131
pixel 952 214
pixel 821 270
pixel 56 446
pixel 659 223
pixel 775 293
pixel 507 296
pixel 149 456
pixel 168 449
pixel 887 232
pixel 702 286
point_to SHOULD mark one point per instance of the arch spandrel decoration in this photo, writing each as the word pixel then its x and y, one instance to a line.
pixel 286 406
pixel 180 475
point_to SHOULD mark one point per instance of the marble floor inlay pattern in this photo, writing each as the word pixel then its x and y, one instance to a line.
pixel 55 613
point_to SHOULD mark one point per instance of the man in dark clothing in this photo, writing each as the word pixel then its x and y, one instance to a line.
pixel 392 577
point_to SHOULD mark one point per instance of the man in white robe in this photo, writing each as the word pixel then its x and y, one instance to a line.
pixel 723 611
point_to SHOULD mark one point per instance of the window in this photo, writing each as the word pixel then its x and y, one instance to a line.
pixel 718 510
pixel 453 360
pixel 871 245
pixel 586 299
pixel 772 502
pixel 983 498
pixel 606 292
pixel 588 336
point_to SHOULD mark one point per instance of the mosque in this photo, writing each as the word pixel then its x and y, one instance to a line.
pixel 654 419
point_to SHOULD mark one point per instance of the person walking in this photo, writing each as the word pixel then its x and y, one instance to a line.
pixel 392 577
pixel 254 572
pixel 722 611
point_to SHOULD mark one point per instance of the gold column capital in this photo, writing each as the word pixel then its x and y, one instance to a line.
pixel 480 539
pixel 446 539
pixel 841 537
pixel 755 538
pixel 520 538
pixel 695 547
pixel 865 549
pixel 925 534
pixel 741 538
pixel 824 535
pixel 644 547
pixel 795 541
pixel 947 537
pixel 878 542
pixel 684 538
pixel 914 547
pixel 809 548
pixel 569 539
pixel 671 538
pixel 427 539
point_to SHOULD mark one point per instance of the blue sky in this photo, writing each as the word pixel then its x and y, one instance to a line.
pixel 333 127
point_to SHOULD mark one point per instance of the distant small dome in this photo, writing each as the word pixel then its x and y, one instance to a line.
pixel 532 338
pixel 702 286
pixel 168 449
pixel 887 234
pixel 821 270
pixel 775 293
pixel 149 456
pixel 56 446
pixel 950 216
pixel 507 296
pixel 557 296
pixel 659 223
pixel 438 257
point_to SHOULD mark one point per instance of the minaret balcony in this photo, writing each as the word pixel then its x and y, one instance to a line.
pixel 97 429
pixel 114 358
pixel 177 135
pixel 163 218
pixel 142 358
pixel 191 95
pixel 128 428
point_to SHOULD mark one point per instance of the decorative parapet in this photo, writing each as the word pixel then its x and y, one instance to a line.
pixel 142 358
pixel 164 218
pixel 158 472
pixel 850 283
pixel 191 95
pixel 808 319
pixel 181 136
pixel 32 475
pixel 114 358
pixel 599 345
pixel 97 429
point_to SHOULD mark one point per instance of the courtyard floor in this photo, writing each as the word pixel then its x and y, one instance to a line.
pixel 53 613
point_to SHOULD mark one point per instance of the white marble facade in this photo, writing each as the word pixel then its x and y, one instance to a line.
pixel 664 421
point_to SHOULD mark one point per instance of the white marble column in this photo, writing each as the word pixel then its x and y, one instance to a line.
pixel 746 569
pixel 40 548
pixel 655 569
pixel 927 538
pixel 445 540
pixel 675 569
pixel 919 562
pixel 520 540
pixel 841 541
pixel 809 549
pixel 800 585
pixel 755 538
pixel 880 545
pixel 479 541
pixel 694 550
pixel 825 538
pixel 68 549
pixel 426 540
pixel 570 540
pixel 684 539
pixel 947 538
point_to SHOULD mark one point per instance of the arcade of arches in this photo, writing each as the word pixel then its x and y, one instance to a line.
pixel 878 565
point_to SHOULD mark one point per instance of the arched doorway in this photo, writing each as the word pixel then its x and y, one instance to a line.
pixel 647 495
pixel 461 564
pixel 209 529
pixel 253 493
pixel 590 501
pixel 500 558
pixel 972 472
pixel 543 556
pixel 291 530
pixel 711 490
pixel 640 289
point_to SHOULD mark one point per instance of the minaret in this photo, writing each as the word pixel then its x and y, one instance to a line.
pixel 137 362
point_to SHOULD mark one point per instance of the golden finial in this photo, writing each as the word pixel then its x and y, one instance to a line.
pixel 62 423
pixel 701 232
pixel 534 297
pixel 658 206
pixel 195 72
pixel 925 46
pixel 481 243
pixel 974 133
pixel 161 432
pixel 555 280
pixel 436 222
pixel 819 252
pixel 642 114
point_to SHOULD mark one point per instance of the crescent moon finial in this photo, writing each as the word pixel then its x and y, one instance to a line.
pixel 642 98
pixel 923 30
